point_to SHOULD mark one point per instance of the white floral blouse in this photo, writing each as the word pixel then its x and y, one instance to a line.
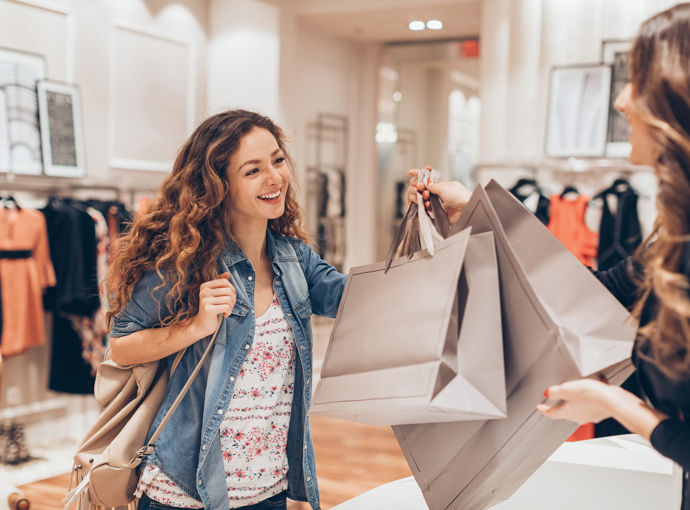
pixel 254 429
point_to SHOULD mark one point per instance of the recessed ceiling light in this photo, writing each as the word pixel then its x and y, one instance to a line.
pixel 434 24
pixel 397 97
pixel 416 25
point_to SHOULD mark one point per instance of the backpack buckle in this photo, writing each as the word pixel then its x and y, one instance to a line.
pixel 145 450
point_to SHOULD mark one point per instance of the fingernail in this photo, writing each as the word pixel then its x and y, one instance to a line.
pixel 546 393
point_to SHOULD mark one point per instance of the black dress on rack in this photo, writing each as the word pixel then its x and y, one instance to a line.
pixel 619 234
pixel 72 239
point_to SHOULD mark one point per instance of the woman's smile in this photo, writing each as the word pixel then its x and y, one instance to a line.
pixel 273 198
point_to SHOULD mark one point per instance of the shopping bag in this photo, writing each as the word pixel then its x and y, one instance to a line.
pixel 559 323
pixel 420 341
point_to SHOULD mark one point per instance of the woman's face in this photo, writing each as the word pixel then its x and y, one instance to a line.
pixel 259 177
pixel 645 150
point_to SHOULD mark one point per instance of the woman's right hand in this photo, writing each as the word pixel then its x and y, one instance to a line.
pixel 215 297
pixel 453 195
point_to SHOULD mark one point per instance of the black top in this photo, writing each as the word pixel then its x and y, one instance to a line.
pixel 619 234
pixel 671 437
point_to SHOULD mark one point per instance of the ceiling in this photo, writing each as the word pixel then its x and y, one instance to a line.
pixel 387 20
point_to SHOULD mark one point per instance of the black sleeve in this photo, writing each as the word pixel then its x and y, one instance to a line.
pixel 619 280
pixel 671 438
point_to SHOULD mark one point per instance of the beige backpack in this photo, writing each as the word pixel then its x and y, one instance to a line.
pixel 105 463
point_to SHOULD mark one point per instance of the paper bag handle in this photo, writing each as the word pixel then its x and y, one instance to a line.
pixel 406 240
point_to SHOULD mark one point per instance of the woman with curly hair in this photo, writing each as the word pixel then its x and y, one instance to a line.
pixel 655 282
pixel 225 237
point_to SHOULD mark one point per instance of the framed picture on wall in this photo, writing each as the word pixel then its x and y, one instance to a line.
pixel 20 140
pixel 578 109
pixel 62 133
pixel 615 53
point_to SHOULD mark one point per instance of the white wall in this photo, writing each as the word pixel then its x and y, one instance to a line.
pixel 243 56
pixel 521 41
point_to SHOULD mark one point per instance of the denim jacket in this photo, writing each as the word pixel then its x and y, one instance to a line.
pixel 188 451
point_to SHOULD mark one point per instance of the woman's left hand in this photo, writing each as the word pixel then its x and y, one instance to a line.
pixel 583 401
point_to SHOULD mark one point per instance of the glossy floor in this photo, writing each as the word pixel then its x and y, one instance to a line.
pixel 351 458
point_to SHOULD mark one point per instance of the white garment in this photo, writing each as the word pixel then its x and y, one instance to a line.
pixel 254 428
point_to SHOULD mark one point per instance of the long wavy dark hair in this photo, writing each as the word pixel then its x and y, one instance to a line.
pixel 660 72
pixel 185 228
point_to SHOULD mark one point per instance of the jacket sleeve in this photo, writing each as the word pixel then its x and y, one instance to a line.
pixel 671 438
pixel 145 309
pixel 620 280
pixel 326 284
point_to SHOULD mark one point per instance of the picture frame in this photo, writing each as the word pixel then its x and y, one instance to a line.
pixel 20 139
pixel 578 107
pixel 62 131
pixel 615 53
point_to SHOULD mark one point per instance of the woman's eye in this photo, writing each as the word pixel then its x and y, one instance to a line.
pixel 279 161
pixel 252 172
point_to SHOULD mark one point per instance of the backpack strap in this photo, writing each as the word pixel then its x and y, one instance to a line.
pixel 149 448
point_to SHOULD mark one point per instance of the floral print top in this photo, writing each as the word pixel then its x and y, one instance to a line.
pixel 254 429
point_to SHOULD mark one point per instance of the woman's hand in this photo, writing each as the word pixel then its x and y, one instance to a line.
pixel 215 297
pixel 453 195
pixel 589 401
pixel 583 401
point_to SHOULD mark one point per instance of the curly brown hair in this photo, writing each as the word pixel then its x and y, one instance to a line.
pixel 185 228
pixel 660 72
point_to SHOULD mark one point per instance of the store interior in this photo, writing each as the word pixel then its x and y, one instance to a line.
pixel 363 95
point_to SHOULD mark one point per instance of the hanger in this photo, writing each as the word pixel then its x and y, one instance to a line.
pixel 615 188
pixel 10 198
pixel 569 189
pixel 524 182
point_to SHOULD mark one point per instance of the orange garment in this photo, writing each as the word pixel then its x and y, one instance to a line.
pixel 567 223
pixel 23 280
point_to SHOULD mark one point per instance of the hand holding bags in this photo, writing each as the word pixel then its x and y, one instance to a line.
pixel 421 342
pixel 559 324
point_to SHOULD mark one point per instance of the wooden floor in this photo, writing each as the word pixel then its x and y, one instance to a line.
pixel 351 458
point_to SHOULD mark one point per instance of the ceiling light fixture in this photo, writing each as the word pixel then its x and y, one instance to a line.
pixel 397 97
pixel 416 25
pixel 434 24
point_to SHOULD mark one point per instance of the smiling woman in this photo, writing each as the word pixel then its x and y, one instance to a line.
pixel 225 237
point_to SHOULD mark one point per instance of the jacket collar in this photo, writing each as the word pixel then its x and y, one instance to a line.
pixel 277 246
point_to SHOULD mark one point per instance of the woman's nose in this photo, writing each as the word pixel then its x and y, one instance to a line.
pixel 274 176
pixel 623 99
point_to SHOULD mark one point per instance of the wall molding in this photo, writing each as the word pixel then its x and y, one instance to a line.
pixel 70 47
pixel 137 164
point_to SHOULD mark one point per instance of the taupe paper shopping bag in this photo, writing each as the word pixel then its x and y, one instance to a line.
pixel 559 324
pixel 419 343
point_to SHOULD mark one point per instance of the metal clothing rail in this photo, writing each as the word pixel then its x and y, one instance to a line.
pixel 40 185
pixel 572 165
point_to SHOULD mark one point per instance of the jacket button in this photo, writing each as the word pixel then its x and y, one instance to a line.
pixel 289 315
pixel 305 446
pixel 309 479
pixel 199 482
pixel 203 447
pixel 246 346
pixel 220 411
pixel 232 379
pixel 303 347
pixel 278 282
pixel 250 278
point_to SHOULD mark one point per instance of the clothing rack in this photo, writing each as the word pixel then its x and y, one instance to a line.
pixel 572 165
pixel 61 187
